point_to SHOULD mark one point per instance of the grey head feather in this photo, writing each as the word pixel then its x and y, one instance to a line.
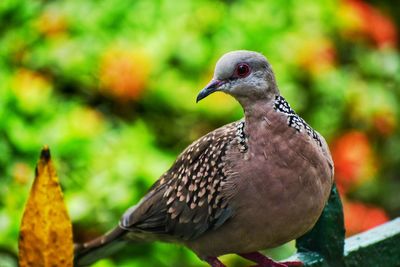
pixel 259 84
pixel 225 66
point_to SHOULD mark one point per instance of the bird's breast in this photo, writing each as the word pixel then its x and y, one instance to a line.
pixel 282 183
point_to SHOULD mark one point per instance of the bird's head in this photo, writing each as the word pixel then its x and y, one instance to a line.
pixel 245 75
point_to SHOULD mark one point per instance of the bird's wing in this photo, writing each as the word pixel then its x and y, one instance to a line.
pixel 187 200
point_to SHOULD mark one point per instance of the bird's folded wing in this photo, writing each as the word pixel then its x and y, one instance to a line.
pixel 188 200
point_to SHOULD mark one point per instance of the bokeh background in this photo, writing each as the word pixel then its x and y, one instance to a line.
pixel 111 86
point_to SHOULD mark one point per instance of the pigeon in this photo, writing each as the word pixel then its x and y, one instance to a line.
pixel 250 185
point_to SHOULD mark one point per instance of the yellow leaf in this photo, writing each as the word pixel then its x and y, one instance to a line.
pixel 46 231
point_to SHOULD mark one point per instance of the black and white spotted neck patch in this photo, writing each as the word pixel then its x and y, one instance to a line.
pixel 241 137
pixel 294 120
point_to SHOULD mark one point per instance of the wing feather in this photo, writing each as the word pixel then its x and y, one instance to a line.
pixel 187 200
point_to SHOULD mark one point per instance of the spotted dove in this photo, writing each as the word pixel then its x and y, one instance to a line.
pixel 252 184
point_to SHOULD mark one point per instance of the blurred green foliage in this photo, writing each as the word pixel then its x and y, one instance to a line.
pixel 111 87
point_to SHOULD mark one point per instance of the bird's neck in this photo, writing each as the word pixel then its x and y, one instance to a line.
pixel 274 115
pixel 256 110
pixel 258 113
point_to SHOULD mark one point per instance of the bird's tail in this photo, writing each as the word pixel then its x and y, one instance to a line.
pixel 101 247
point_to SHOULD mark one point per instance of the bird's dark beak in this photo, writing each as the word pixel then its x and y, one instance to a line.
pixel 209 89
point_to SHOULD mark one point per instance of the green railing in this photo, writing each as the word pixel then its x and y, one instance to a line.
pixel 324 245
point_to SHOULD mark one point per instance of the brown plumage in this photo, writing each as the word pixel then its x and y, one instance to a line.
pixel 187 200
pixel 249 185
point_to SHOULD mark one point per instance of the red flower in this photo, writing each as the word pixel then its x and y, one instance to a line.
pixel 359 217
pixel 124 74
pixel 354 160
pixel 363 20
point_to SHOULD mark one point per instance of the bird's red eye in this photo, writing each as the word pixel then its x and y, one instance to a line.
pixel 242 70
